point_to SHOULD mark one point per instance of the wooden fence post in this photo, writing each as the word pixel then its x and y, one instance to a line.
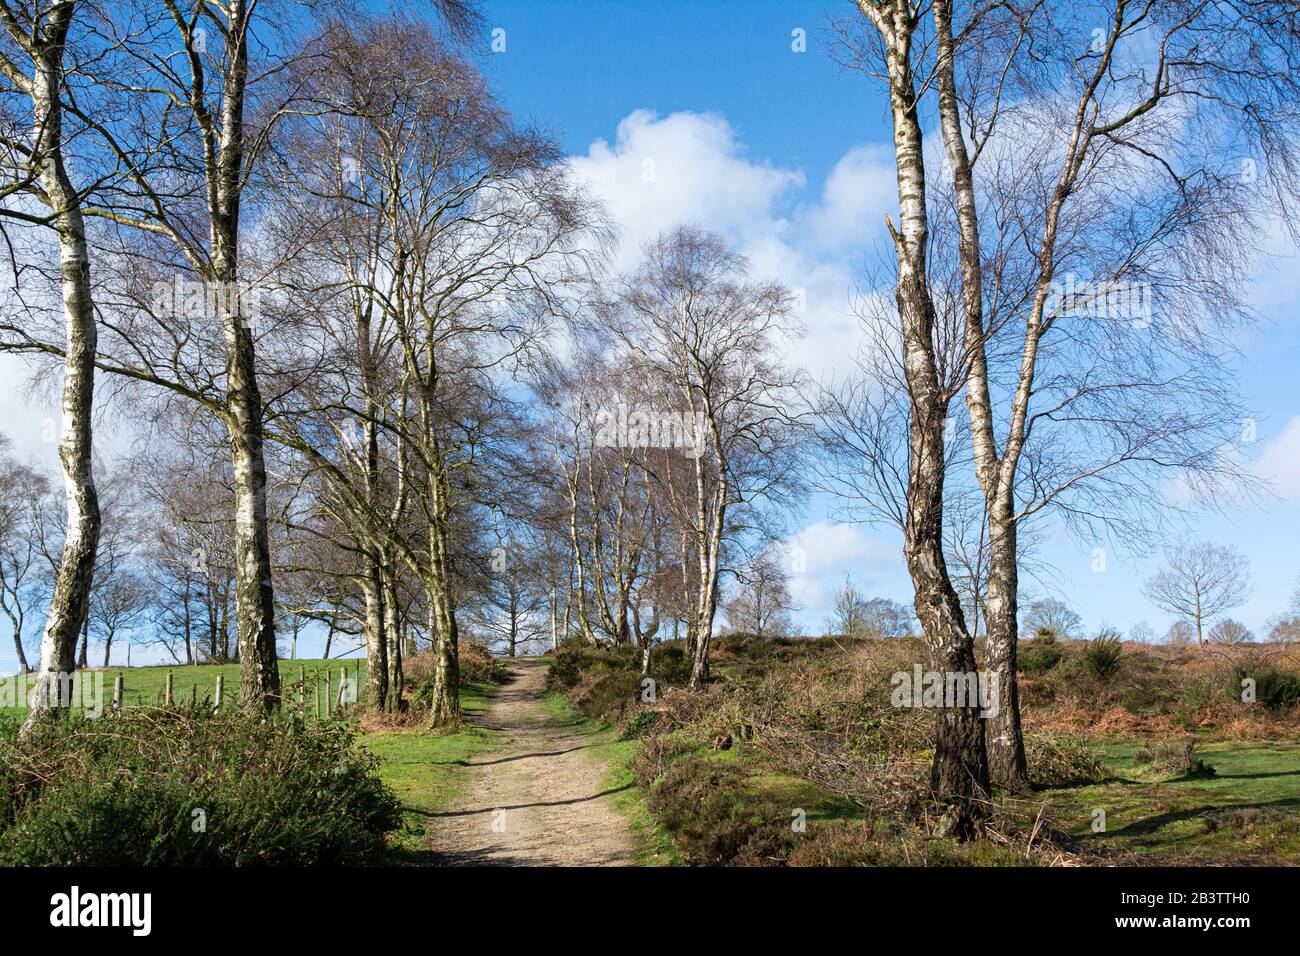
pixel 117 692
pixel 168 697
pixel 220 686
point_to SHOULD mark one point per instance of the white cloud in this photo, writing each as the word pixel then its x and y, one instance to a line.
pixel 860 190
pixel 819 557
pixel 836 547
pixel 1274 460
pixel 679 169
pixel 1279 461
pixel 691 168
pixel 31 420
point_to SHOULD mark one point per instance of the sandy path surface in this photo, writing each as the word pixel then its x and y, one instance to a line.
pixel 536 802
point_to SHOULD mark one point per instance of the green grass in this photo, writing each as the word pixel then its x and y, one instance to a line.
pixel 819 804
pixel 1247 813
pixel 145 685
pixel 428 771
pixel 651 844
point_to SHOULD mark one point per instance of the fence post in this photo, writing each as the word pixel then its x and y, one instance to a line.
pixel 220 685
pixel 329 680
pixel 168 697
pixel 117 692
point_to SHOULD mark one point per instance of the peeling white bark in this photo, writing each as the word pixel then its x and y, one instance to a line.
pixel 70 600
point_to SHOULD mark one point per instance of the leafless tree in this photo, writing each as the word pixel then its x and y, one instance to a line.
pixel 1142 633
pixel 118 596
pixel 185 109
pixel 761 604
pixel 1285 627
pixel 569 391
pixel 182 101
pixel 186 488
pixel 619 515
pixel 848 610
pixel 118 605
pixel 887 618
pixel 704 339
pixel 446 236
pixel 1201 581
pixel 1054 615
pixel 23 493
pixel 1180 632
pixel 1230 631
pixel 1080 132
pixel 1095 394
pixel 511 614
pixel 959 774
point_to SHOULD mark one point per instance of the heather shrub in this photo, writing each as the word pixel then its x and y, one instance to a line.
pixel 1276 688
pixel 705 805
pixel 183 787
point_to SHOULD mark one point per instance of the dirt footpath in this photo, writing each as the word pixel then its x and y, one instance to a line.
pixel 536 802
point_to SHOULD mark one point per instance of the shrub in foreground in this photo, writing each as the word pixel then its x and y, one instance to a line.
pixel 166 787
pixel 713 817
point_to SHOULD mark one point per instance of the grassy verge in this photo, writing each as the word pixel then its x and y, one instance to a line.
pixel 650 843
pixel 653 844
pixel 428 771
pixel 1247 813
pixel 146 685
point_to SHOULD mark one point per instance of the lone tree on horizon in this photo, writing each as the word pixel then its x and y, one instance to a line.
pixel 1201 582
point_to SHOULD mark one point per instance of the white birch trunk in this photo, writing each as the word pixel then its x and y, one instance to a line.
pixel 69 603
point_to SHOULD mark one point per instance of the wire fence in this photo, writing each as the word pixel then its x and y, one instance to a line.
pixel 314 690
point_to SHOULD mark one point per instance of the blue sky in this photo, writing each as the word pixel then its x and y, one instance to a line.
pixel 703 112
pixel 725 73
pixel 579 68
